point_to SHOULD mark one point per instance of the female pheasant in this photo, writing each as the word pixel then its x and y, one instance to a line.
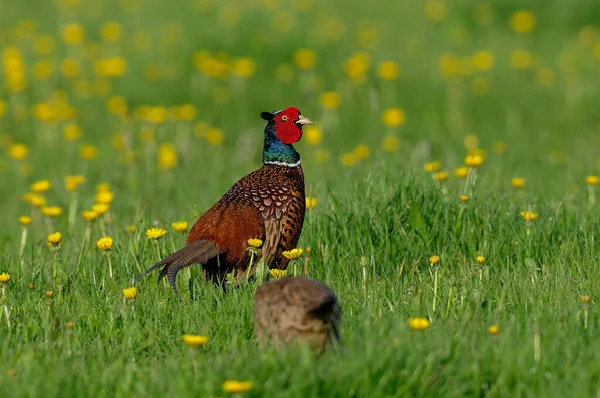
pixel 299 309
pixel 268 204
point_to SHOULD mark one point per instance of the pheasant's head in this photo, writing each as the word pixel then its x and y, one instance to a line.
pixel 287 124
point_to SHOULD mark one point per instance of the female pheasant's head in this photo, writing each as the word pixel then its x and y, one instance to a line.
pixel 287 124
pixel 282 130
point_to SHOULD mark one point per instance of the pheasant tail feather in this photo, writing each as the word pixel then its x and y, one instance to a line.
pixel 198 252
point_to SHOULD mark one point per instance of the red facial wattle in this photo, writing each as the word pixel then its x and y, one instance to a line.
pixel 285 127
pixel 288 132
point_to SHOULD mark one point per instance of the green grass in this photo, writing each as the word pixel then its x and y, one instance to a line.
pixel 372 232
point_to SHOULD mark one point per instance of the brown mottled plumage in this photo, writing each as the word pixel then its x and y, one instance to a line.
pixel 267 204
pixel 296 309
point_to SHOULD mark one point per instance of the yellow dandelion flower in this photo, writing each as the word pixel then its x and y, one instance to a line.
pixel 49 293
pixel 330 100
pixel 431 167
pixel 105 243
pixel 585 300
pixel 419 323
pixel 483 60
pixel 24 220
pixel 111 31
pixel 234 387
pixel 522 21
pixel 103 187
pixel 117 105
pixel 71 132
pixel 311 202
pixel 100 208
pixel 441 176
pixel 493 330
pixel 130 228
pixel 435 10
pixel 88 152
pixel 89 215
pixel 130 293
pixel 52 211
pixel 357 66
pixel 434 260
pixel 18 151
pixel 155 233
pixel 529 215
pixel 312 135
pixel 473 160
pixel 179 226
pixel 480 259
pixel 35 199
pixel 244 67
pixel 105 197
pixel 461 172
pixel 187 112
pixel 54 239
pixel 521 59
pixel 214 136
pixel 73 182
pixel 464 198
pixel 517 182
pixel 592 180
pixel 193 340
pixel 305 58
pixel 70 325
pixel 278 273
pixel 388 70
pixel 256 243
pixel 293 254
pixel 390 143
pixel 73 33
pixel 167 156
pixel 4 277
pixel 41 186
pixel 362 152
pixel 393 117
pixel 348 159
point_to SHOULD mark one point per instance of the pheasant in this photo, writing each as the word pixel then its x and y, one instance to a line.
pixel 296 309
pixel 267 204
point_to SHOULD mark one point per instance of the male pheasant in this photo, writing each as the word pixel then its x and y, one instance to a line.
pixel 267 204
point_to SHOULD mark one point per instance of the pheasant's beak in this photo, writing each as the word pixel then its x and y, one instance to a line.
pixel 303 120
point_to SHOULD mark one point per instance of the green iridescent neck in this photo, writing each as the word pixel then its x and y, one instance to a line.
pixel 276 152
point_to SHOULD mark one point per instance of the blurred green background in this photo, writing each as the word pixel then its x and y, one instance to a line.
pixel 132 76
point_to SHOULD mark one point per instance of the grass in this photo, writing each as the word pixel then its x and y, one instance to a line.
pixel 378 219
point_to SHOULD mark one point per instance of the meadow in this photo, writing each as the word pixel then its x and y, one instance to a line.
pixel 452 183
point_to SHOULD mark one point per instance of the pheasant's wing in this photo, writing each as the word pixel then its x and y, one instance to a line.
pixel 198 252
pixel 283 225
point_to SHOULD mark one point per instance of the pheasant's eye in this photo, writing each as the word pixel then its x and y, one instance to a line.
pixel 284 118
